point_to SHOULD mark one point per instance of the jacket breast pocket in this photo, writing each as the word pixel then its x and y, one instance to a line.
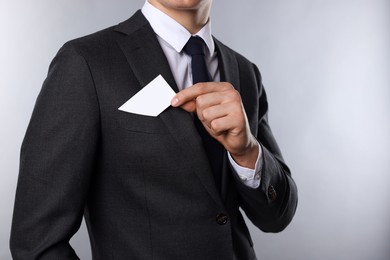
pixel 141 124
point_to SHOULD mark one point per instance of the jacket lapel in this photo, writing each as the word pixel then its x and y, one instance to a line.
pixel 228 65
pixel 229 72
pixel 147 60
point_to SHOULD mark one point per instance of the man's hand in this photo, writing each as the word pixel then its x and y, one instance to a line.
pixel 218 106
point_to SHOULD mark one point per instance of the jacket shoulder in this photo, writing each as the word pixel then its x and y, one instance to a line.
pixel 91 43
pixel 102 40
pixel 239 57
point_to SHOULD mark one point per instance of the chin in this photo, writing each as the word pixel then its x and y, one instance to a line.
pixel 182 4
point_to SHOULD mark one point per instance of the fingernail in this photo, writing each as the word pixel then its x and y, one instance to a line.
pixel 174 101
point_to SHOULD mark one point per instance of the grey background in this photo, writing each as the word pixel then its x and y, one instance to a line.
pixel 326 68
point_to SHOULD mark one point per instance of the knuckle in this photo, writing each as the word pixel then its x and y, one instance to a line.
pixel 206 114
pixel 202 84
pixel 227 86
pixel 234 94
pixel 199 101
pixel 215 126
pixel 202 87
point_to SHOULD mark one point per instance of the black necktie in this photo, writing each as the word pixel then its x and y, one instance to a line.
pixel 195 48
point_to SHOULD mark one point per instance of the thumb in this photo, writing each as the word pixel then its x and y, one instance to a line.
pixel 189 106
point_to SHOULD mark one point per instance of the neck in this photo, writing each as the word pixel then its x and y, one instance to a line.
pixel 191 18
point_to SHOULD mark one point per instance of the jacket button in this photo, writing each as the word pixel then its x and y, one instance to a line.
pixel 221 219
pixel 272 195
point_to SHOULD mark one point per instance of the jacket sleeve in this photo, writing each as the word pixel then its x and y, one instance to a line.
pixel 57 161
pixel 272 205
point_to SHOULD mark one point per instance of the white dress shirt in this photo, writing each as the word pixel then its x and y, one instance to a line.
pixel 172 37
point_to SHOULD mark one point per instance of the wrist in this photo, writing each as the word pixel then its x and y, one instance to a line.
pixel 248 157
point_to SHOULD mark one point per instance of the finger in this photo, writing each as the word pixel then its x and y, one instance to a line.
pixel 189 106
pixel 212 99
pixel 222 125
pixel 191 93
pixel 214 112
pixel 230 108
pixel 218 121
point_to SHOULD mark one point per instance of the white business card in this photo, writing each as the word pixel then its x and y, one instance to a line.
pixel 151 100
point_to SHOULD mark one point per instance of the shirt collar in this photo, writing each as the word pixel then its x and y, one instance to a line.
pixel 172 32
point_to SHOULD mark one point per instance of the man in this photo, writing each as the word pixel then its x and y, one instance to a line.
pixel 149 187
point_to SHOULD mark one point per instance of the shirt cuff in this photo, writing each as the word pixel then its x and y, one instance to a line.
pixel 249 177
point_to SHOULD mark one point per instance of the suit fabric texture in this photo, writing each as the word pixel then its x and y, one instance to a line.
pixel 143 184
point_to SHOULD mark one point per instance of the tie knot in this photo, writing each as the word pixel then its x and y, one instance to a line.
pixel 194 46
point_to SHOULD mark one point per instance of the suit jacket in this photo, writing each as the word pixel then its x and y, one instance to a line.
pixel 143 184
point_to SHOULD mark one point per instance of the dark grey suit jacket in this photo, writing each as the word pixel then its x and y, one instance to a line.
pixel 143 184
